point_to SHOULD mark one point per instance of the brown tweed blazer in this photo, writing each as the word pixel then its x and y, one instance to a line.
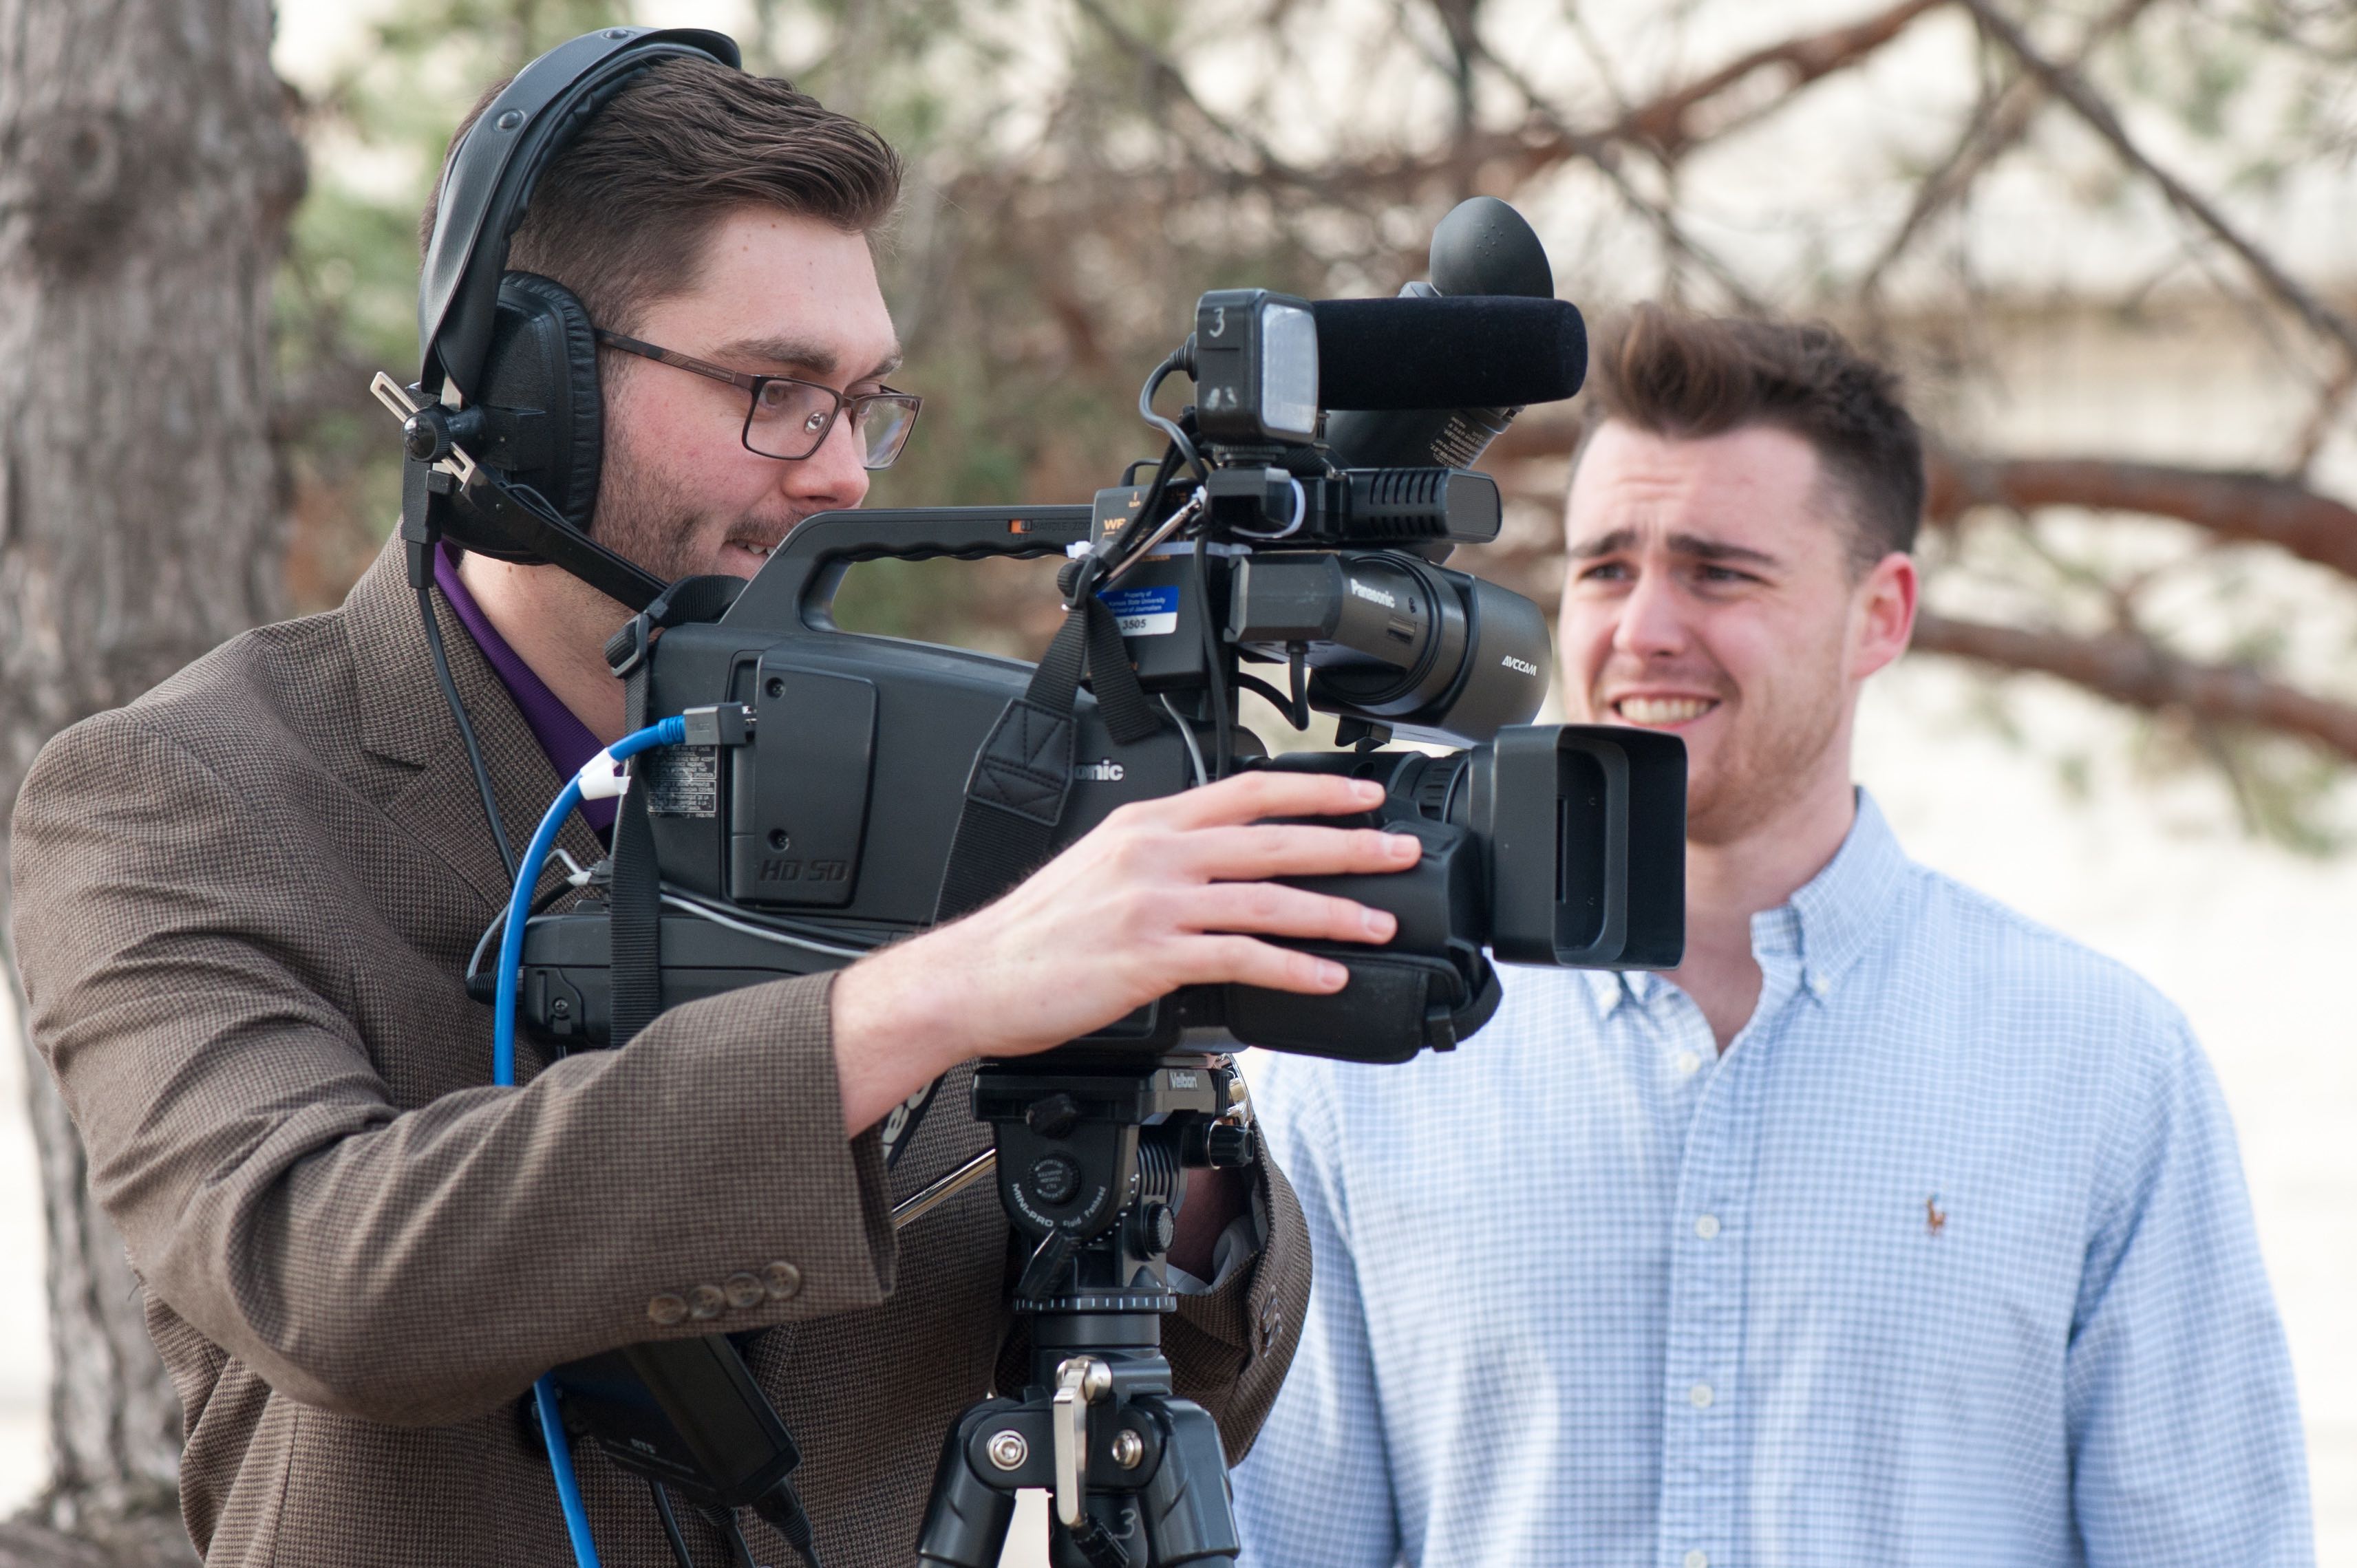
pixel 242 908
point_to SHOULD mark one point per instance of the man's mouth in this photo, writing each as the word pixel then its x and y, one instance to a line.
pixel 1663 712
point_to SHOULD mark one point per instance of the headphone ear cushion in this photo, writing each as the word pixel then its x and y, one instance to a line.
pixel 543 366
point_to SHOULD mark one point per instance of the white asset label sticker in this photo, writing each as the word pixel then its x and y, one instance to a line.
pixel 1143 612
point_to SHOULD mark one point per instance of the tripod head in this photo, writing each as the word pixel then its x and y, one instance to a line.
pixel 1094 1147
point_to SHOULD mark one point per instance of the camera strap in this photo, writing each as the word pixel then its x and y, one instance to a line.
pixel 1014 795
pixel 634 928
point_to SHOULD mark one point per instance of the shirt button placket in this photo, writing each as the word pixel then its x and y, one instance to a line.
pixel 1705 1295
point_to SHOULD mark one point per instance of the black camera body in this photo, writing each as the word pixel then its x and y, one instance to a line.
pixel 823 825
pixel 844 790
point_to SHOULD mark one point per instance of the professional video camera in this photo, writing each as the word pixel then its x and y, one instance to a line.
pixel 837 791
pixel 845 790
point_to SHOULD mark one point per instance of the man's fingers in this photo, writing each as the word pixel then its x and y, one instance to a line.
pixel 1267 909
pixel 1249 797
pixel 1288 849
pixel 1215 960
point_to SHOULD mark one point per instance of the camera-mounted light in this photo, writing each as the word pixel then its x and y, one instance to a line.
pixel 1255 369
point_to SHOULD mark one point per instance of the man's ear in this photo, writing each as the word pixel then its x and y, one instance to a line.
pixel 1884 607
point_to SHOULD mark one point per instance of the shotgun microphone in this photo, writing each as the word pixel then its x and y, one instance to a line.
pixel 1483 248
pixel 1436 355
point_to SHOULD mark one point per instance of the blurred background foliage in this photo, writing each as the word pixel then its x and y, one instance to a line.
pixel 2106 239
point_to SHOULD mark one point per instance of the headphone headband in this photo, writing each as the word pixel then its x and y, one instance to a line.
pixel 493 172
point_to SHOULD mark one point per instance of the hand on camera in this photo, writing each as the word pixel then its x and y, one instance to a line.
pixel 1164 893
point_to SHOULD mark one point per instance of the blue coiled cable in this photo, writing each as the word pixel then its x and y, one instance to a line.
pixel 669 732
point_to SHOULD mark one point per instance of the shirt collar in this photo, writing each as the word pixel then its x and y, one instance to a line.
pixel 1834 919
pixel 1827 925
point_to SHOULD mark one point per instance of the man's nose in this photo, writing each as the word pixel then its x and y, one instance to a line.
pixel 1652 622
pixel 836 474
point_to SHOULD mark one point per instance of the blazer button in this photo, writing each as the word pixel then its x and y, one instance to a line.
pixel 781 1281
pixel 744 1290
pixel 667 1309
pixel 705 1302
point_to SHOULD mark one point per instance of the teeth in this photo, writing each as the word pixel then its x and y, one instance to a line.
pixel 1663 710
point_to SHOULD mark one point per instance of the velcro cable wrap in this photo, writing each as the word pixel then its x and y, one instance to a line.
pixel 634 926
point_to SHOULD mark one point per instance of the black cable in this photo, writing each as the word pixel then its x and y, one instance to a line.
pixel 740 1554
pixel 1127 538
pixel 466 729
pixel 1169 427
pixel 1283 704
pixel 669 1525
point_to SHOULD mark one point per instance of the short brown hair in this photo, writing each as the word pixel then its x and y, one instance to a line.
pixel 1693 377
pixel 621 216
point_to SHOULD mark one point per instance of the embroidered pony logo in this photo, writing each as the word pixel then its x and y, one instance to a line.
pixel 1935 1220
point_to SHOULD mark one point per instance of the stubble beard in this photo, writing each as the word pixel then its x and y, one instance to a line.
pixel 639 520
pixel 1772 757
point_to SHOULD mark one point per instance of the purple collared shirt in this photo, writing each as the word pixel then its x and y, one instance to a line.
pixel 566 738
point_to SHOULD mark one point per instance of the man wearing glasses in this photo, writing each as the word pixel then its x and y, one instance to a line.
pixel 244 905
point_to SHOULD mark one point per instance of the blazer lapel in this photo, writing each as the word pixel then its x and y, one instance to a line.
pixel 405 722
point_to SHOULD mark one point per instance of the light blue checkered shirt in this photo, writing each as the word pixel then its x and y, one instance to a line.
pixel 1947 1260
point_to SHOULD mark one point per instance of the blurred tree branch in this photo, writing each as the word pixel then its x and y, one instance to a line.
pixel 2125 668
pixel 2071 88
pixel 2249 509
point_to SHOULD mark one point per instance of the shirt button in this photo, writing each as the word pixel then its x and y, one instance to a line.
pixel 1707 1227
pixel 1697 1559
pixel 743 1291
pixel 705 1301
pixel 1687 1063
pixel 781 1279
pixel 1701 1396
pixel 667 1309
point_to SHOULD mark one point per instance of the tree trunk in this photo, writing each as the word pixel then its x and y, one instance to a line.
pixel 147 168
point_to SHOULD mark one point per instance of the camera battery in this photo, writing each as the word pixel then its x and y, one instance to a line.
pixel 1161 626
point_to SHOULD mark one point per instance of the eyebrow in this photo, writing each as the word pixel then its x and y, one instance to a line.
pixel 1699 546
pixel 803 353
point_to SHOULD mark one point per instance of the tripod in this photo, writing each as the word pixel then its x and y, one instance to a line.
pixel 1093 1152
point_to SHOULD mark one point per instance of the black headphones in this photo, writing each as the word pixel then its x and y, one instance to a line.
pixel 508 466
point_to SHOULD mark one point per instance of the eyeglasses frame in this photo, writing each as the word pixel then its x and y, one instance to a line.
pixel 753 385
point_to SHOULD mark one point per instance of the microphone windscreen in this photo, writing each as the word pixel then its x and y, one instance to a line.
pixel 1475 351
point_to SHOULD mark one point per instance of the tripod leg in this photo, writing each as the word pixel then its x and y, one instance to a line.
pixel 1190 1517
pixel 966 1521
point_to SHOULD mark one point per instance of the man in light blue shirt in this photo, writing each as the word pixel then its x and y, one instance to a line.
pixel 1889 1228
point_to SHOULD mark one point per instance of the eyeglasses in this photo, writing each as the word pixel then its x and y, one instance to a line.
pixel 790 419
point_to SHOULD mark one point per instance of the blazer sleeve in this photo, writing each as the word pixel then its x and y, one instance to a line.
pixel 407 1266
pixel 1228 1348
